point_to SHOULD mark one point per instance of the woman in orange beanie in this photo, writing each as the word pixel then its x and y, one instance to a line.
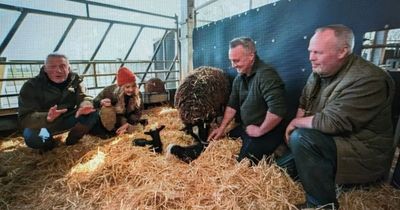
pixel 120 104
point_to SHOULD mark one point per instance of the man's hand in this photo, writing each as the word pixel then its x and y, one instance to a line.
pixel 299 122
pixel 289 130
pixel 105 102
pixel 254 131
pixel 216 134
pixel 54 113
pixel 123 129
pixel 85 110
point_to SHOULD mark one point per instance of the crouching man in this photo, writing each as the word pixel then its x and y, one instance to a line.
pixel 52 102
pixel 343 130
pixel 257 98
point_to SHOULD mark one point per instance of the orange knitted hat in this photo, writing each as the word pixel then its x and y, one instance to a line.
pixel 125 76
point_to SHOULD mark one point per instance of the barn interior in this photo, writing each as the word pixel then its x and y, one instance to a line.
pixel 167 40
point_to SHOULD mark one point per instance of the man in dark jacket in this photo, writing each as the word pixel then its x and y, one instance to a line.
pixel 343 130
pixel 257 99
pixel 52 102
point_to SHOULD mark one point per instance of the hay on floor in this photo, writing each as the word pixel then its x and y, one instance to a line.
pixel 113 174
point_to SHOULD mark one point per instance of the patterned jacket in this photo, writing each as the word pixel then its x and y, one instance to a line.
pixel 126 113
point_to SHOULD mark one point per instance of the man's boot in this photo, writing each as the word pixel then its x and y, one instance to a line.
pixel 47 141
pixel 76 133
pixel 48 145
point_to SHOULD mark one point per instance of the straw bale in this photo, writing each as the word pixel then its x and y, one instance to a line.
pixel 121 176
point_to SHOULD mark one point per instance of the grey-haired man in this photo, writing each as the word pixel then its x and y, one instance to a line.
pixel 52 102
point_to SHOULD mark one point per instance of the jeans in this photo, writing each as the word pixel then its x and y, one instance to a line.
pixel 34 138
pixel 314 156
pixel 396 175
pixel 255 148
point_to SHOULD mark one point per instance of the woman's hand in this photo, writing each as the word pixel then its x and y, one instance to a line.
pixel 105 102
pixel 123 129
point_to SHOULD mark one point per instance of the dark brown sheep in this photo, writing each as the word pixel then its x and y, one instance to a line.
pixel 202 95
pixel 200 99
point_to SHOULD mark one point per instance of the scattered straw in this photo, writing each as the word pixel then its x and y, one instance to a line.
pixel 167 110
pixel 94 163
pixel 113 174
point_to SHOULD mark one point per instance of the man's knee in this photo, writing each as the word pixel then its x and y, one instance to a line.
pixel 32 138
pixel 307 141
pixel 94 115
pixel 297 138
pixel 89 120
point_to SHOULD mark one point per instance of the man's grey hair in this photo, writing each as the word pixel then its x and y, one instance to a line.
pixel 246 42
pixel 344 34
pixel 56 54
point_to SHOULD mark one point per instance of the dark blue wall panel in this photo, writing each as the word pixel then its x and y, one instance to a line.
pixel 282 32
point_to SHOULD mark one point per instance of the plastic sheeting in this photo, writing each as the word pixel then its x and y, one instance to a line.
pixel 282 31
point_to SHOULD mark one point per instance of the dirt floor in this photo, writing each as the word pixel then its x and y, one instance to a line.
pixel 113 174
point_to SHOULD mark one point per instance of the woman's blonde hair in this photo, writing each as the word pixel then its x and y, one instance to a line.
pixel 120 106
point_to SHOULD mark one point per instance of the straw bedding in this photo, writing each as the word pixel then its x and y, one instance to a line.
pixel 113 174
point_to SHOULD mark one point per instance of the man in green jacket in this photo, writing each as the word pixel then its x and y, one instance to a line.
pixel 343 130
pixel 52 102
pixel 257 98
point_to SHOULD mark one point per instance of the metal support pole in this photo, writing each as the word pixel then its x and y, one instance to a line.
pixel 153 57
pixel 178 49
pixel 187 25
pixel 98 48
pixel 170 67
pixel 65 34
pixel 132 45
pixel 11 33
pixel 379 53
pixel 205 4
pixel 81 17
pixel 87 10
pixel 95 3
pixel 130 50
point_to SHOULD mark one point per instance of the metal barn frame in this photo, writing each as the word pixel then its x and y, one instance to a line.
pixel 20 71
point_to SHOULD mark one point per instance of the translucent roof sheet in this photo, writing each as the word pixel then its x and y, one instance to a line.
pixel 61 6
pixel 34 43
pixel 40 32
pixel 143 49
pixel 7 19
pixel 112 49
pixel 88 34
